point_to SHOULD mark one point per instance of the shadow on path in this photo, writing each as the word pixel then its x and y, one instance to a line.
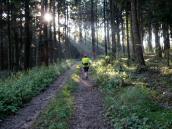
pixel 89 108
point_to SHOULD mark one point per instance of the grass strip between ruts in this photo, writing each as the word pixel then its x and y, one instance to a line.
pixel 58 113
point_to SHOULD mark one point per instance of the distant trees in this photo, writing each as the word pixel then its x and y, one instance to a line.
pixel 26 39
pixel 117 26
pixel 149 17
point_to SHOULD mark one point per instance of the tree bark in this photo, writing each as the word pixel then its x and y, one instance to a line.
pixel 150 38
pixel 123 37
pixel 46 52
pixel 108 35
pixel 51 37
pixel 1 40
pixel 54 30
pixel 127 29
pixel 105 28
pixel 80 23
pixel 136 34
pixel 17 50
pixel 158 49
pixel 28 35
pixel 59 33
pixel 118 35
pixel 9 36
pixel 113 26
pixel 132 37
pixel 21 39
pixel 166 43
pixel 93 30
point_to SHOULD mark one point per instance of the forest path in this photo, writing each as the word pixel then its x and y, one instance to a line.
pixel 25 117
pixel 89 108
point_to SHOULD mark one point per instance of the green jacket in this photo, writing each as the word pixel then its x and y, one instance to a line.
pixel 86 61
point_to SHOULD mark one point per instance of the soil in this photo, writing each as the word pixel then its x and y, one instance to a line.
pixel 89 107
pixel 25 117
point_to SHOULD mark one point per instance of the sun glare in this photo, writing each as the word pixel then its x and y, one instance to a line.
pixel 48 17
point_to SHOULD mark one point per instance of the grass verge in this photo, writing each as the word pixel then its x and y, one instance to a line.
pixel 60 110
pixel 21 87
pixel 129 103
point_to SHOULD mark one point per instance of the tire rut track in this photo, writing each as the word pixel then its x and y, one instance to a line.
pixel 26 116
pixel 89 108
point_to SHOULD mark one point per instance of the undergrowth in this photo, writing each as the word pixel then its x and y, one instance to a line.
pixel 21 87
pixel 129 103
pixel 60 110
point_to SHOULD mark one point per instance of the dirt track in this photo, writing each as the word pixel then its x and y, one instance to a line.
pixel 25 117
pixel 88 107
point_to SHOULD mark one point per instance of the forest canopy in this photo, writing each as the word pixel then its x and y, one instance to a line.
pixel 36 32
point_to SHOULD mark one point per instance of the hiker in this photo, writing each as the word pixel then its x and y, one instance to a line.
pixel 86 61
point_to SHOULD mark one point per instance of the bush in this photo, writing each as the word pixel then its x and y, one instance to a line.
pixel 20 88
pixel 131 106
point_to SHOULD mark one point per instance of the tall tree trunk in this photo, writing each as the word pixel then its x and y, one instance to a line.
pixel 46 52
pixel 41 53
pixel 166 43
pixel 170 30
pixel 80 23
pixel 132 38
pixel 105 27
pixel 158 49
pixel 123 37
pixel 113 26
pixel 127 35
pixel 136 34
pixel 1 40
pixel 150 39
pixel 140 20
pixel 9 36
pixel 51 37
pixel 28 35
pixel 67 50
pixel 93 29
pixel 67 33
pixel 54 30
pixel 108 35
pixel 21 39
pixel 59 33
pixel 97 30
pixel 118 32
pixel 17 50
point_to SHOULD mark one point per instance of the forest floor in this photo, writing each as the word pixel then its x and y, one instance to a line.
pixel 159 78
pixel 25 117
pixel 89 107
pixel 161 84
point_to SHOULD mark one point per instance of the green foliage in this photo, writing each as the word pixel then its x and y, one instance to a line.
pixel 129 106
pixel 60 110
pixel 20 88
